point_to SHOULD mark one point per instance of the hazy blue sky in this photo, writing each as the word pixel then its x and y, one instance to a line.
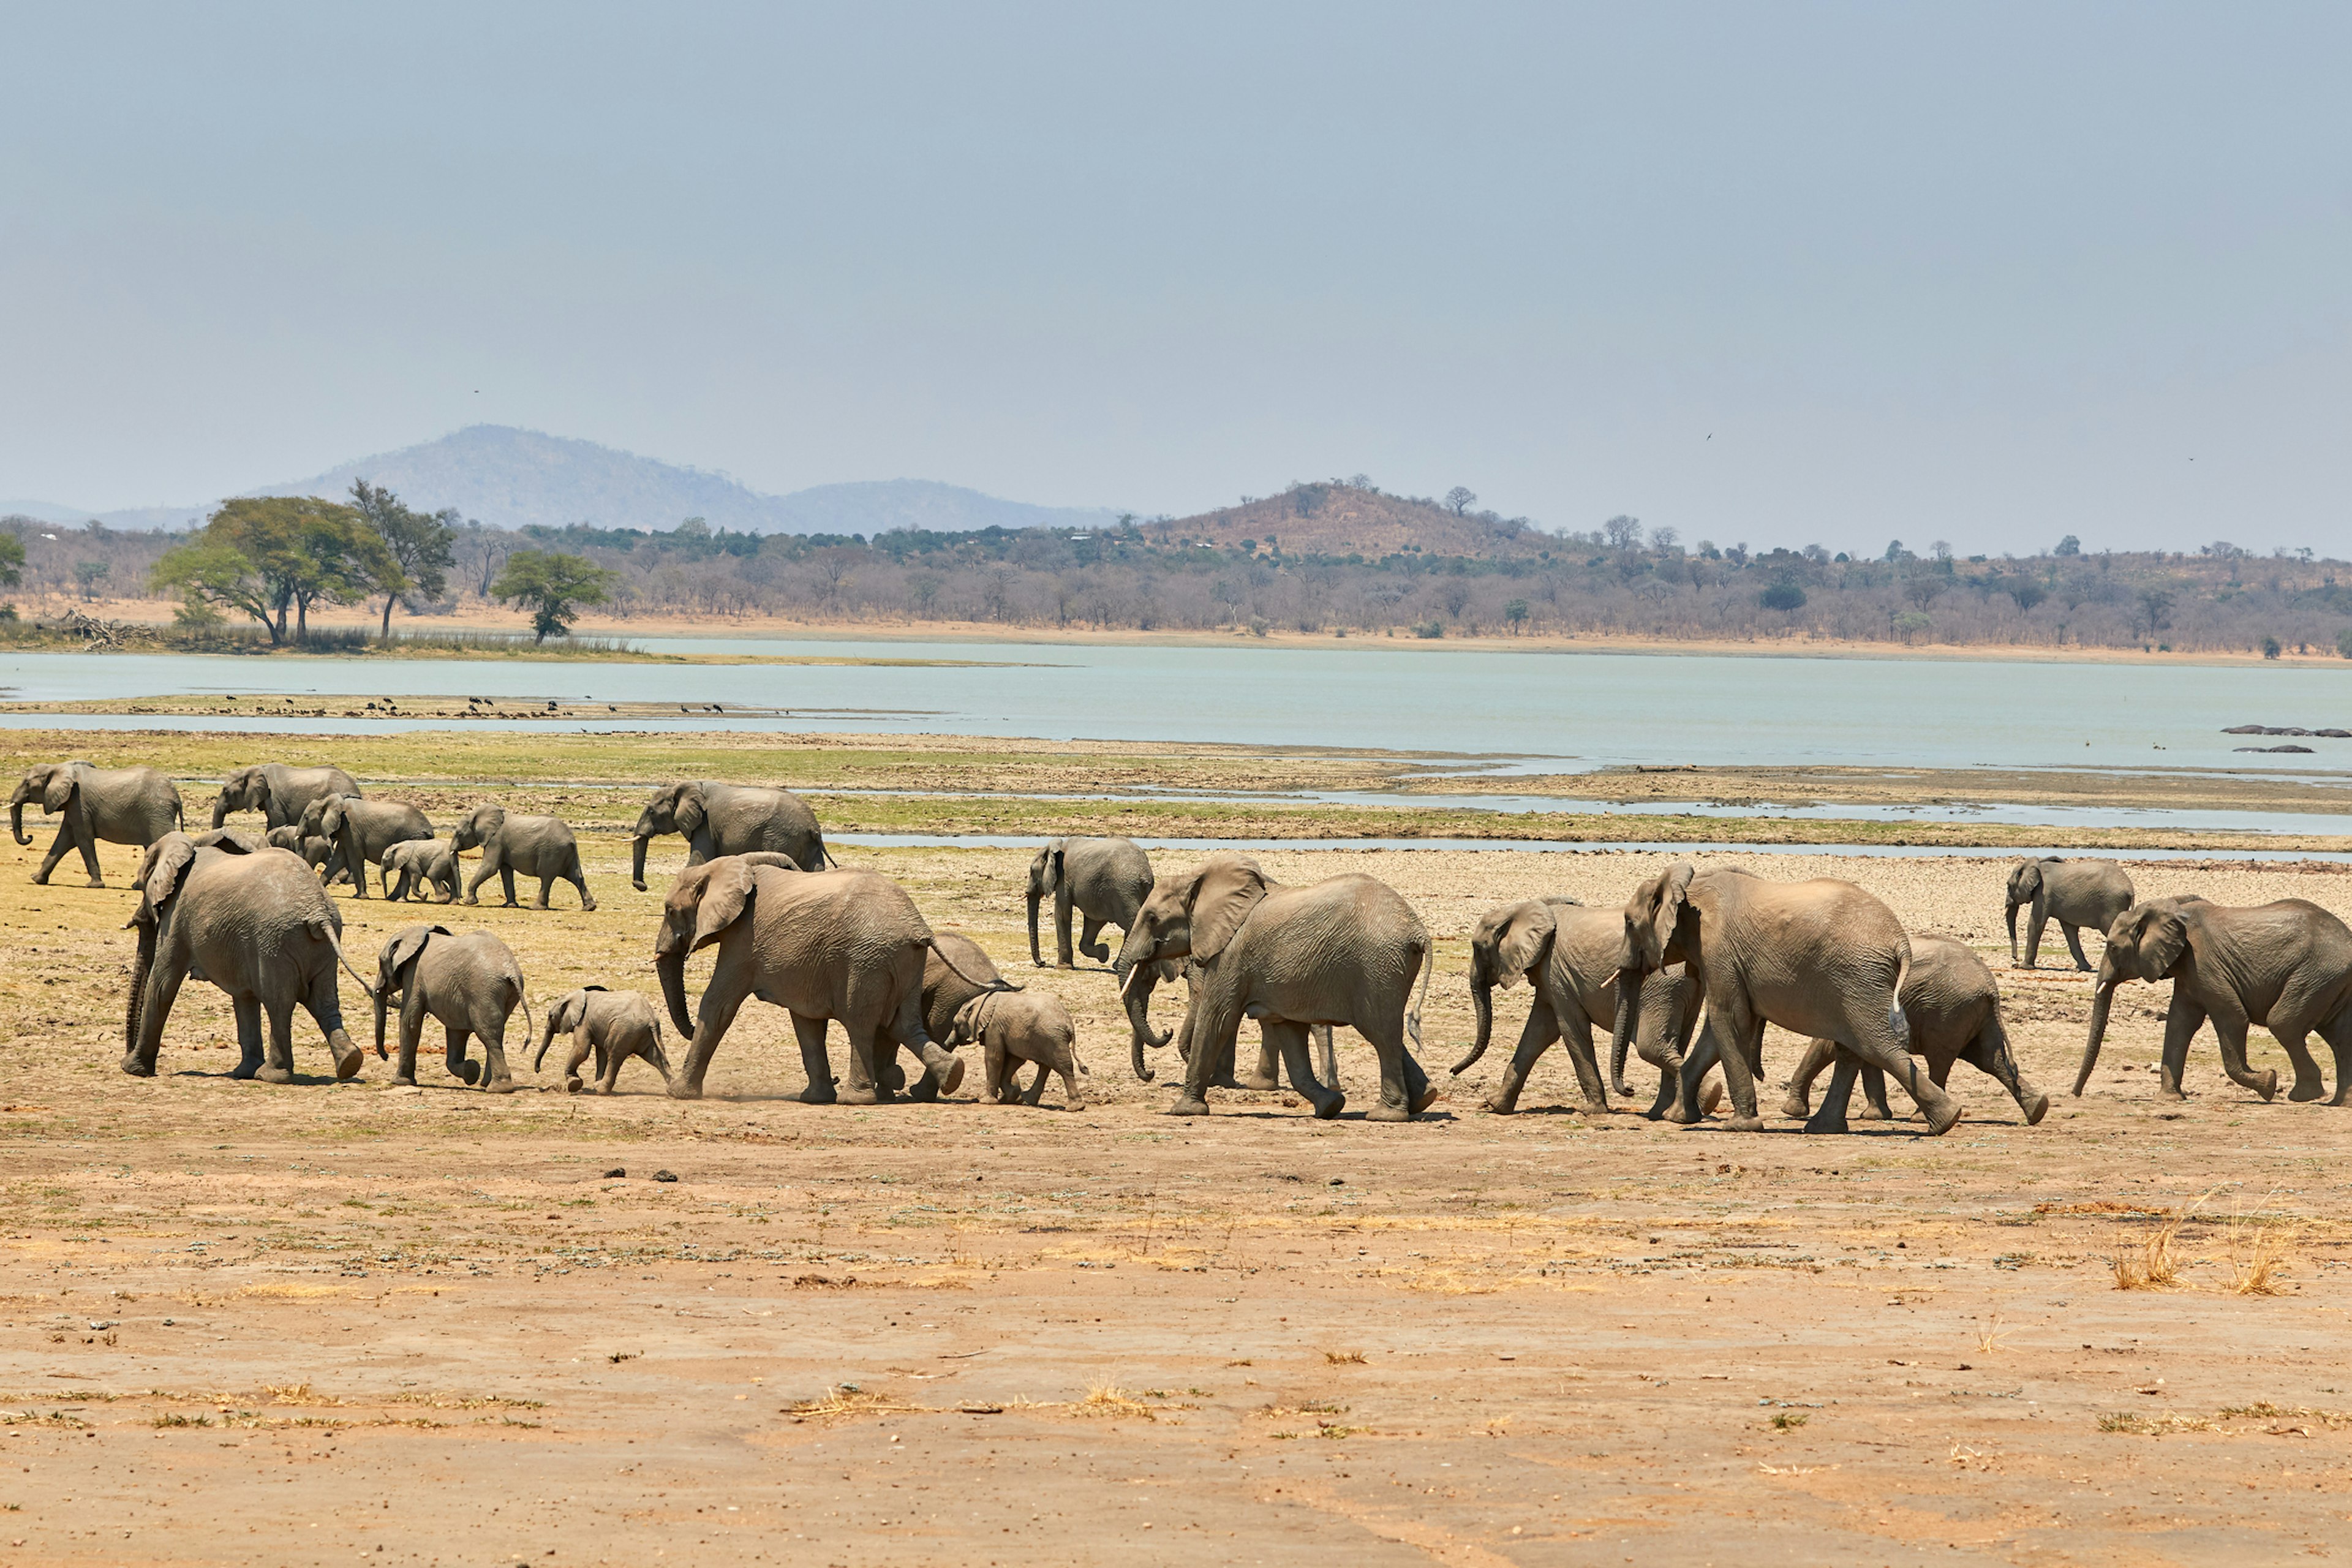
pixel 1983 272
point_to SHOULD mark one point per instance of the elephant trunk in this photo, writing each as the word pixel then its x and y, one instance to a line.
pixel 1482 999
pixel 546 1039
pixel 637 861
pixel 1035 897
pixel 2010 913
pixel 671 967
pixel 16 831
pixel 383 995
pixel 1629 1013
pixel 2100 999
pixel 135 1009
pixel 1136 997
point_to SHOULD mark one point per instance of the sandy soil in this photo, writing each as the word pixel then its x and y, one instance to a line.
pixel 323 1324
pixel 476 616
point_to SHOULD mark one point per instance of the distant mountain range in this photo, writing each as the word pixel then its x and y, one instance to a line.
pixel 512 477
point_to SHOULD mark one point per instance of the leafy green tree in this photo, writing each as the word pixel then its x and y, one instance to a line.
pixel 552 587
pixel 422 545
pixel 12 560
pixel 270 556
pixel 89 574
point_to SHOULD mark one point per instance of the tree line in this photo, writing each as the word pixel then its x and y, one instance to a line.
pixel 272 560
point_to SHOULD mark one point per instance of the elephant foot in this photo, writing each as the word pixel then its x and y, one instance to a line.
pixel 2035 1110
pixel 1877 1113
pixel 1255 1080
pixel 1823 1121
pixel 637 885
pixel 94 882
pixel 471 902
pixel 924 1091
pixel 863 1094
pixel 1501 1104
pixel 1076 1105
pixel 1586 1108
pixel 681 1089
pixel 2268 1085
pixel 244 1070
pixel 275 1075
pixel 348 1063
pixel 1187 1106
pixel 1330 1108
pixel 1797 1107
pixel 1708 1098
pixel 40 880
pixel 587 906
pixel 403 1080
pixel 137 1069
pixel 1944 1117
pixel 2304 1092
pixel 500 1085
pixel 815 1094
pixel 1428 1097
pixel 1738 1123
pixel 469 1070
pixel 1384 1111
pixel 572 1086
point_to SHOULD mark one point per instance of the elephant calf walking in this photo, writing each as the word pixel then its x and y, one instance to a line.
pixel 1015 1028
pixel 1953 1007
pixel 414 865
pixel 2074 893
pixel 612 1025
pixel 470 984
pixel 540 846
pixel 1103 881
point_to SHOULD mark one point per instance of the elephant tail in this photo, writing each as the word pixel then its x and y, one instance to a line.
pixel 1412 1019
pixel 326 928
pixel 1895 1021
pixel 529 1027
pixel 932 943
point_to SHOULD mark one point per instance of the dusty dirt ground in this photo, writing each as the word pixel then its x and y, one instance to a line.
pixel 332 1324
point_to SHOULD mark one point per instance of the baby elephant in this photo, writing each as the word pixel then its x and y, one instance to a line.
pixel 614 1025
pixel 417 864
pixel 540 846
pixel 314 848
pixel 1017 1027
pixel 472 984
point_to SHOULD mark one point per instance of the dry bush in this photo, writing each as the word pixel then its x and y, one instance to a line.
pixel 2157 1268
pixel 1110 1399
pixel 2258 1253
pixel 1343 1358
pixel 847 1400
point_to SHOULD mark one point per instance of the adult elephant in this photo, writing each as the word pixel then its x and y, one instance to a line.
pixel 1342 950
pixel 279 793
pixel 540 846
pixel 823 945
pixel 1568 953
pixel 1135 994
pixel 362 830
pixel 120 806
pixel 728 820
pixel 1103 880
pixel 254 921
pixel 1822 958
pixel 1952 1006
pixel 2074 893
pixel 2286 966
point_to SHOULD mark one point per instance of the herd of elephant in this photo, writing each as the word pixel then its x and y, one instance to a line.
pixel 1685 974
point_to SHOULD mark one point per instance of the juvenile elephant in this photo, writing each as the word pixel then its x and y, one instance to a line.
pixel 253 921
pixel 120 806
pixel 317 853
pixel 1105 880
pixel 728 820
pixel 2286 966
pixel 1822 958
pixel 1342 950
pixel 2074 893
pixel 279 793
pixel 1013 1028
pixel 1952 1005
pixel 1568 955
pixel 611 1025
pixel 362 830
pixel 471 984
pixel 413 864
pixel 847 945
pixel 540 846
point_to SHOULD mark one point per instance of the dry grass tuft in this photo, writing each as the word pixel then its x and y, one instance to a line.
pixel 1110 1399
pixel 2258 1255
pixel 2157 1268
pixel 1988 1337
pixel 1343 1358
pixel 849 1400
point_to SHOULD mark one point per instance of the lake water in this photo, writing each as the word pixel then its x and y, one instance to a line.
pixel 1543 711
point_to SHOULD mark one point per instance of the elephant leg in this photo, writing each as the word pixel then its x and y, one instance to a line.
pixel 496 1077
pixel 1830 1117
pixel 325 1005
pixel 412 1030
pixel 483 869
pixel 248 1036
pixel 506 885
pixel 1405 1091
pixel 1576 1031
pixel 1730 1022
pixel 582 1049
pixel 1090 944
pixel 455 1059
pixel 992 1063
pixel 278 1066
pixel 154 1011
pixel 2308 1085
pixel 57 848
pixel 1035 1092
pixel 546 885
pixel 2182 1019
pixel 1686 1095
pixel 1989 1053
pixel 1873 1093
pixel 2074 944
pixel 2037 917
pixel 1063 911
pixel 1798 1102
pixel 1536 1036
pixel 2337 1032
pixel 730 983
pixel 398 892
pixel 2230 1033
pixel 864 1085
pixel 578 878
pixel 1291 1041
pixel 1326 1061
pixel 1883 1040
pixel 809 1032
pixel 1267 1074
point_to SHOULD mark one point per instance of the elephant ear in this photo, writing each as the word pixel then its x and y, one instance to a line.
pixel 2163 942
pixel 1524 940
pixel 586 988
pixel 776 858
pixel 331 816
pixel 166 863
pixel 1672 899
pixel 401 950
pixel 1224 893
pixel 59 792
pixel 726 893
pixel 690 810
pixel 971 1019
pixel 1045 868
pixel 231 841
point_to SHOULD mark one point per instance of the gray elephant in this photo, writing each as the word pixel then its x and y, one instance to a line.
pixel 252 920
pixel 1015 1028
pixel 728 820
pixel 1225 1072
pixel 1346 950
pixel 1822 958
pixel 362 830
pixel 823 945
pixel 540 846
pixel 317 853
pixel 470 984
pixel 612 1025
pixel 279 793
pixel 1105 880
pixel 2286 966
pixel 1952 1005
pixel 118 805
pixel 415 865
pixel 2074 893
pixel 1568 953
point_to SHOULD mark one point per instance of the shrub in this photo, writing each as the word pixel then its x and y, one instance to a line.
pixel 1783 596
pixel 1430 629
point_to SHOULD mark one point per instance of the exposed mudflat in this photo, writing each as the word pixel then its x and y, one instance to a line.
pixel 313 1323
